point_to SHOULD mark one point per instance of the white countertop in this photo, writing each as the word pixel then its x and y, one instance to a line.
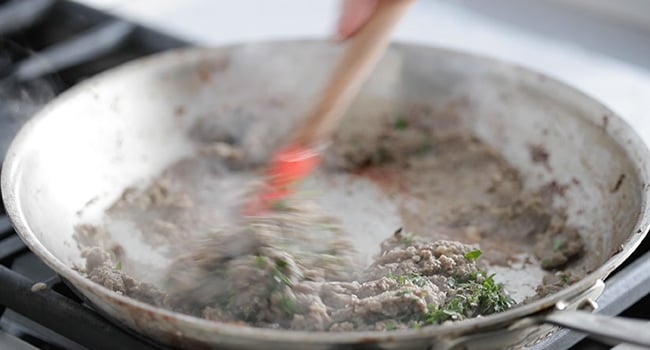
pixel 622 87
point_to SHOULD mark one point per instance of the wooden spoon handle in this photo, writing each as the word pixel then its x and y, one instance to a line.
pixel 362 53
pixel 302 155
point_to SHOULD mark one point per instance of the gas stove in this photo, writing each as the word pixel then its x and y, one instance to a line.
pixel 46 46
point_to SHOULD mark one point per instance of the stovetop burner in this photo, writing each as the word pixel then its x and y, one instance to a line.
pixel 46 46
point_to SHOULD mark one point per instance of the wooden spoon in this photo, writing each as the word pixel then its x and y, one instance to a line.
pixel 302 154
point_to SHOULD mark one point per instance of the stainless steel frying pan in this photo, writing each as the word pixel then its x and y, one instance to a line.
pixel 121 128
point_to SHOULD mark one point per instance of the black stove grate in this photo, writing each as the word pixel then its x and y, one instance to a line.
pixel 56 308
pixel 46 46
pixel 59 44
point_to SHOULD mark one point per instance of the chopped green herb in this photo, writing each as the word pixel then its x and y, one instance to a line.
pixel 414 278
pixel 472 299
pixel 280 205
pixel 402 292
pixel 425 148
pixel 401 124
pixel 452 282
pixel 474 254
pixel 289 305
pixel 565 277
pixel 281 263
pixel 417 279
pixel 491 296
pixel 335 228
pixel 408 238
pixel 435 315
pixel 399 278
pixel 280 278
pixel 383 156
pixel 118 266
pixel 558 243
pixel 390 325
pixel 546 263
pixel 260 261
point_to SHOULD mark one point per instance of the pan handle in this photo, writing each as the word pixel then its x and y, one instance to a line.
pixel 576 313
pixel 620 329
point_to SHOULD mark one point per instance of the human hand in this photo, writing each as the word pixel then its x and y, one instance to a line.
pixel 354 14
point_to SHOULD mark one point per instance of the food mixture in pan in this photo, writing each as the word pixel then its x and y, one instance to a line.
pixel 413 283
pixel 296 267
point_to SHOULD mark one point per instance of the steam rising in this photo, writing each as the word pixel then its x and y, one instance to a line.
pixel 19 102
